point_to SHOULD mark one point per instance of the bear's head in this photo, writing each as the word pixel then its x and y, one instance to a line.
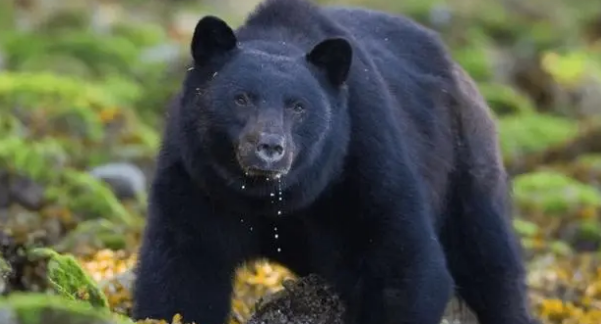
pixel 255 111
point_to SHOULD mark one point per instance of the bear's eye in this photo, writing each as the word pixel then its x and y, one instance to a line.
pixel 298 107
pixel 241 99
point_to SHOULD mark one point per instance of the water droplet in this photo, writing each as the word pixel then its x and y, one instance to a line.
pixel 279 250
pixel 190 68
pixel 272 194
pixel 241 220
pixel 275 229
pixel 280 199
pixel 251 228
pixel 279 212
pixel 243 187
pixel 267 179
pixel 276 236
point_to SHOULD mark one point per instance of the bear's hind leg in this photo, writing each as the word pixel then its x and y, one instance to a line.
pixel 484 255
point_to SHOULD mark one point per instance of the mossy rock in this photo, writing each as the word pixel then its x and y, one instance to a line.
pixel 22 308
pixel 5 270
pixel 61 106
pixel 90 198
pixel 32 159
pixel 554 194
pixel 67 278
pixel 505 100
pixel 523 134
pixel 586 168
pixel 94 234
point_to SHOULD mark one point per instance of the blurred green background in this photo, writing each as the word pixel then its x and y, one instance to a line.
pixel 83 89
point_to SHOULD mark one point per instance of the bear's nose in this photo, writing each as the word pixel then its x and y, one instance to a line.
pixel 270 147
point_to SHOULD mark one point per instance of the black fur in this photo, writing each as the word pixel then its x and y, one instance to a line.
pixel 395 194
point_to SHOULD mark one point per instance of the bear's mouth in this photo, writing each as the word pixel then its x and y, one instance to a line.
pixel 269 174
pixel 255 168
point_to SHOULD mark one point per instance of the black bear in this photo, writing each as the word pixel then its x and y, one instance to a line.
pixel 338 141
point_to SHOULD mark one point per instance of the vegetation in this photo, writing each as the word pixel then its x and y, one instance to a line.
pixel 84 85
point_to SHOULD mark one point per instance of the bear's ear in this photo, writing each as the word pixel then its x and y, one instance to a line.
pixel 212 36
pixel 334 56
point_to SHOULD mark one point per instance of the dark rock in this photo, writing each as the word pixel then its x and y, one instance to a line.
pixel 310 301
pixel 306 301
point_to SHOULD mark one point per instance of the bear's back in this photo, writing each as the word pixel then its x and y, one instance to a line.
pixel 416 71
pixel 393 39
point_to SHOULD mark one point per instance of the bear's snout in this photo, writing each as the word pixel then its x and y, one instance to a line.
pixel 270 147
pixel 264 154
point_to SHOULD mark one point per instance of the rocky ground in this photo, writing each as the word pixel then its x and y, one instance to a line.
pixel 83 85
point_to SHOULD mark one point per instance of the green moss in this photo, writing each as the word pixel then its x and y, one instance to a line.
pixel 47 309
pixel 572 68
pixel 590 230
pixel 4 266
pixel 140 34
pixel 553 194
pixel 68 279
pixel 89 197
pixel 26 88
pixel 97 233
pixel 102 54
pixel 39 160
pixel 525 228
pixel 529 133
pixel 474 56
pixel 5 270
pixel 561 248
pixel 505 100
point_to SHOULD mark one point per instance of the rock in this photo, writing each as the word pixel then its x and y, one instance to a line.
pixel 7 316
pixel 306 301
pixel 310 301
pixel 27 192
pixel 125 179
pixel 22 308
pixel 125 279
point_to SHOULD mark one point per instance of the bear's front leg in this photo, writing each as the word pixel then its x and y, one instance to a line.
pixel 175 276
pixel 398 264
pixel 402 278
pixel 188 257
